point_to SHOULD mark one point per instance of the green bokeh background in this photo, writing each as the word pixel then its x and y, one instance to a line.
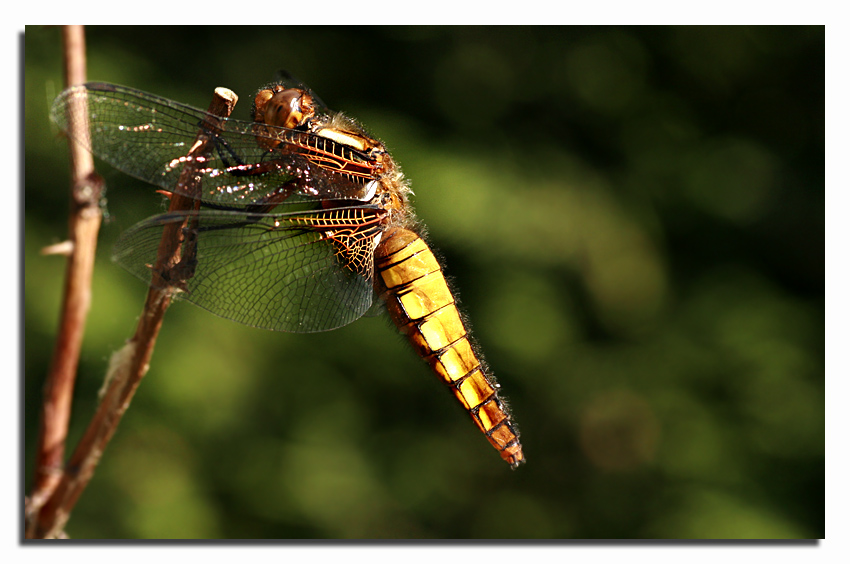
pixel 633 218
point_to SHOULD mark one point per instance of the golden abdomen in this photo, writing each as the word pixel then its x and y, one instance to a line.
pixel 418 299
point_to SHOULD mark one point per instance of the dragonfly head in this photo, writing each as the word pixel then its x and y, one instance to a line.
pixel 283 107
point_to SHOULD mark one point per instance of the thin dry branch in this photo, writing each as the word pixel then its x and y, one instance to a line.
pixel 130 364
pixel 83 227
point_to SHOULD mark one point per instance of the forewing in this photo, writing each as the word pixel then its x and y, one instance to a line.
pixel 149 137
pixel 273 271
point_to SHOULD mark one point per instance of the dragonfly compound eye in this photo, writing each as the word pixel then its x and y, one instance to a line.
pixel 289 108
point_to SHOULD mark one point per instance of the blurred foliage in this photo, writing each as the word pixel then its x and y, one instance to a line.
pixel 633 218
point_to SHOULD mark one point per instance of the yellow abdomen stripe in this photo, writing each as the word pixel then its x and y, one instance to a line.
pixel 420 303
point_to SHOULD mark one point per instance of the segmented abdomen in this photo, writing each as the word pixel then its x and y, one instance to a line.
pixel 420 303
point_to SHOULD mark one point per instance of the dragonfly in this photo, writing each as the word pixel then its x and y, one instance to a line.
pixel 302 223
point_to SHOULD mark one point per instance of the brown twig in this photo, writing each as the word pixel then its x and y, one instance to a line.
pixel 130 363
pixel 83 226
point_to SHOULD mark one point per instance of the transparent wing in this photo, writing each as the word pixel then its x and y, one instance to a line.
pixel 299 272
pixel 148 137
